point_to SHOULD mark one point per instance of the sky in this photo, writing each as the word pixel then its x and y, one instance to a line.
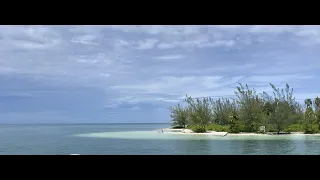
pixel 131 74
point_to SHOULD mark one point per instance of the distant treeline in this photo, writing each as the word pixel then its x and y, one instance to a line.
pixel 279 112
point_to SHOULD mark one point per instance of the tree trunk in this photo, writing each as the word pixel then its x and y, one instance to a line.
pixel 278 130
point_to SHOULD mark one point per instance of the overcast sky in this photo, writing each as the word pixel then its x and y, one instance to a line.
pixel 108 74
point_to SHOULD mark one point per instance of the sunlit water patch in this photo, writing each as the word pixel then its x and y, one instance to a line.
pixel 141 135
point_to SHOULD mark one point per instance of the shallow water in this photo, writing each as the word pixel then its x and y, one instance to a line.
pixel 142 139
pixel 155 135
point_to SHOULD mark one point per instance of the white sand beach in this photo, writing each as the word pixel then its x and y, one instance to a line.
pixel 188 131
pixel 215 133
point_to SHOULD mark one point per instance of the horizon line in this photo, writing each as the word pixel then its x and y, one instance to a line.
pixel 78 123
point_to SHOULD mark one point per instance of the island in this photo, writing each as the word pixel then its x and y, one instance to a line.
pixel 248 113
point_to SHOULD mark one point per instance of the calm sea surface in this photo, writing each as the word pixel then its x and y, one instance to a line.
pixel 141 139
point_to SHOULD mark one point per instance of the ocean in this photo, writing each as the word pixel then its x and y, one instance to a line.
pixel 141 139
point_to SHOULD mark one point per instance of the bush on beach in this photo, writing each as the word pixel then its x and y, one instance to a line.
pixel 294 128
pixel 198 129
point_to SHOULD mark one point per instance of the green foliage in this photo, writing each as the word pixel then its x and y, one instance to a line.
pixel 218 128
pixel 200 112
pixel 198 129
pixel 234 128
pixel 309 124
pixel 281 108
pixel 250 107
pixel 317 103
pixel 271 128
pixel 210 127
pixel 311 128
pixel 278 112
pixel 177 127
pixel 295 128
pixel 179 116
pixel 238 128
pixel 317 110
pixel 221 110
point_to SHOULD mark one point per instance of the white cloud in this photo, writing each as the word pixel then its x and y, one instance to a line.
pixel 30 37
pixel 309 31
pixel 105 74
pixel 166 45
pixel 170 57
pixel 146 44
pixel 168 100
pixel 135 108
pixel 119 62
pixel 122 43
pixel 169 84
pixel 158 89
pixel 225 43
pixel 159 29
pixel 272 29
pixel 228 27
pixel 278 78
pixel 85 39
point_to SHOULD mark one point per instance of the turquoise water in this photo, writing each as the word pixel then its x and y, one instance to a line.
pixel 141 139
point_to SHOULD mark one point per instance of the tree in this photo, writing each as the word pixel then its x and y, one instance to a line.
pixel 309 116
pixel 234 122
pixel 284 107
pixel 222 108
pixel 308 103
pixel 268 109
pixel 317 110
pixel 200 112
pixel 250 107
pixel 280 112
pixel 309 111
pixel 179 116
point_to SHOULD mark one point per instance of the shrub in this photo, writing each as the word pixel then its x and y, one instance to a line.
pixel 177 127
pixel 218 128
pixel 271 128
pixel 311 128
pixel 244 128
pixel 197 129
pixel 234 128
pixel 237 128
pixel 294 128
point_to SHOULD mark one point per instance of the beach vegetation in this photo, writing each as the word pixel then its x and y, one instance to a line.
pixel 217 128
pixel 247 111
pixel 210 127
pixel 317 110
pixel 295 128
pixel 199 111
pixel 198 129
pixel 250 108
pixel 179 116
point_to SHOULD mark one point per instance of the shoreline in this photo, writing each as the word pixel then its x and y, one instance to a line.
pixel 215 133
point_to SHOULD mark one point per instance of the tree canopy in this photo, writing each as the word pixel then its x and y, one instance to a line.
pixel 279 112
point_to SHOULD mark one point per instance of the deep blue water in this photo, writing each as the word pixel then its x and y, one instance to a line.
pixel 64 139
